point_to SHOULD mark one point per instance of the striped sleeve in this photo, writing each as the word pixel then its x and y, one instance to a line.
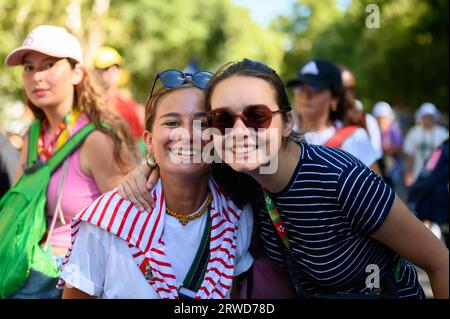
pixel 364 198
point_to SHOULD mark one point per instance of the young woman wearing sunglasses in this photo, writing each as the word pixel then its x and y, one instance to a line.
pixel 195 240
pixel 323 213
pixel 321 104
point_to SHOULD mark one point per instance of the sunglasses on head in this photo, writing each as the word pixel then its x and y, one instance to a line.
pixel 176 78
pixel 308 88
pixel 253 116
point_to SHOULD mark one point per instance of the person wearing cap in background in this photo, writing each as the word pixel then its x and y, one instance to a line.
pixel 320 102
pixel 421 140
pixel 392 142
pixel 354 111
pixel 64 99
pixel 109 66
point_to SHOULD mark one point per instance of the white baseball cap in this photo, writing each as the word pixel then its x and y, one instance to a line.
pixel 51 40
pixel 382 109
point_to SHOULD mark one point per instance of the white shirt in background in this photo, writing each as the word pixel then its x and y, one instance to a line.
pixel 358 144
pixel 374 134
pixel 420 142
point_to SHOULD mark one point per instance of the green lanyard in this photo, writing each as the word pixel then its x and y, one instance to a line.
pixel 282 233
pixel 276 219
pixel 196 273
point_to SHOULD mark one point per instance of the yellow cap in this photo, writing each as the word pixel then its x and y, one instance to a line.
pixel 106 57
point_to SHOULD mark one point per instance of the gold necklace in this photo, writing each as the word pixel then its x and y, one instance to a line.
pixel 184 219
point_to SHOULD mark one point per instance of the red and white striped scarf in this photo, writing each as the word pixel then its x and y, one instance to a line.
pixel 143 232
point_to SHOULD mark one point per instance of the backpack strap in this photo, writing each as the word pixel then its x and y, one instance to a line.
pixel 33 136
pixel 33 163
pixel 69 147
pixel 337 139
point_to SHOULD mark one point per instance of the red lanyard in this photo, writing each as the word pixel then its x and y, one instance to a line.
pixel 44 152
pixel 276 219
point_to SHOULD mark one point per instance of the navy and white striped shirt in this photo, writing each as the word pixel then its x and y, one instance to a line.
pixel 330 206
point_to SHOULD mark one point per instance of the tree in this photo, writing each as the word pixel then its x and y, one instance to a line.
pixel 151 35
pixel 406 59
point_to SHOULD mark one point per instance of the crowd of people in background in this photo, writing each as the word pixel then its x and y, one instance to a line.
pixel 333 149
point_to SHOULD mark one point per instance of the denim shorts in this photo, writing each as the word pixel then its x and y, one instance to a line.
pixel 38 286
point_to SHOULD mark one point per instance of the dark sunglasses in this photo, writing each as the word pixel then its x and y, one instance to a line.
pixel 311 89
pixel 175 78
pixel 253 116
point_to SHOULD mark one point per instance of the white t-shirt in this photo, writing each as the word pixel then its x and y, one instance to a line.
pixel 101 264
pixel 420 142
pixel 358 144
pixel 374 134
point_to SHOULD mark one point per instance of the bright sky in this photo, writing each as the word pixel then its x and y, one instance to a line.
pixel 265 10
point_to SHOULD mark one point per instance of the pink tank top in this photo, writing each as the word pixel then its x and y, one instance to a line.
pixel 79 190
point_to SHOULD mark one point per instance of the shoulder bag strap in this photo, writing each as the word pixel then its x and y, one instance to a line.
pixel 341 135
pixel 196 273
pixel 33 136
pixel 276 219
pixel 282 234
pixel 70 146
pixel 389 283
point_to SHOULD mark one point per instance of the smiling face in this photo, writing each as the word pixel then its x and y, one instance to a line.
pixel 243 149
pixel 49 81
pixel 174 131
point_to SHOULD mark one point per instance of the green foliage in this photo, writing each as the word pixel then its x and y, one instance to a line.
pixel 151 35
pixel 404 61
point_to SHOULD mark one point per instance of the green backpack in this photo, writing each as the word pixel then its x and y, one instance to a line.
pixel 23 218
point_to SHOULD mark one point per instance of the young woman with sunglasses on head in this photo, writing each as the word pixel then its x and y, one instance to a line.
pixel 194 242
pixel 64 100
pixel 337 221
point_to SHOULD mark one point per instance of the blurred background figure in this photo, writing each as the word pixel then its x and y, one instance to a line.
pixel 9 160
pixel 14 122
pixel 404 117
pixel 392 142
pixel 109 64
pixel 421 140
pixel 428 196
pixel 320 102
pixel 354 111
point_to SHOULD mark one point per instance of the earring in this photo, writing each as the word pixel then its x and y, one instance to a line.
pixel 333 107
pixel 150 160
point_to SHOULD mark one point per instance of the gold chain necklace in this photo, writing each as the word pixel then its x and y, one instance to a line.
pixel 184 219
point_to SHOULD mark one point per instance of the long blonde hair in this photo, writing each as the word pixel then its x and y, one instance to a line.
pixel 89 98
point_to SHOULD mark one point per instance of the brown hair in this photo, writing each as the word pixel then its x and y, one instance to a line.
pixel 89 99
pixel 153 101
